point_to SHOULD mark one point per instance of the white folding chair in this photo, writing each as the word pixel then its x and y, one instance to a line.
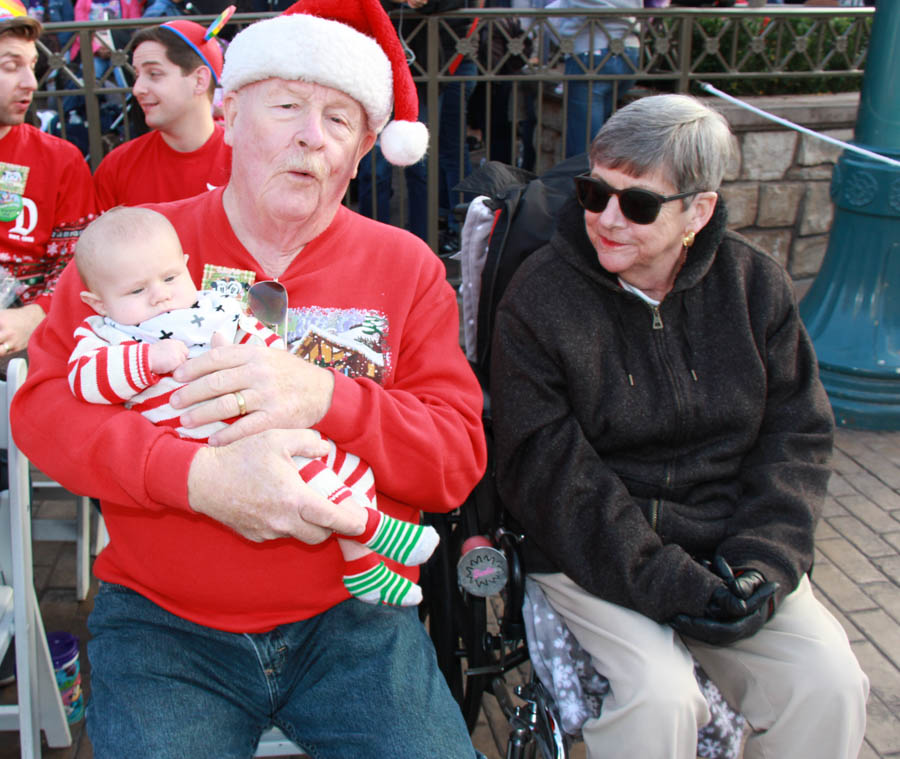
pixel 77 530
pixel 39 704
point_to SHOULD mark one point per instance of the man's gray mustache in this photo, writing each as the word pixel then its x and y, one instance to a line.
pixel 316 169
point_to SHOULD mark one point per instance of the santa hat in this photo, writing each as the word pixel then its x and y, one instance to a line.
pixel 349 45
pixel 198 39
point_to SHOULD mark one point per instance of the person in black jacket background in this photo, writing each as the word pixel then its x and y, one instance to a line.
pixel 663 439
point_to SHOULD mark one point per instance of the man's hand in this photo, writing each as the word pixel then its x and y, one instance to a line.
pixel 253 486
pixel 280 391
pixel 16 326
pixel 166 355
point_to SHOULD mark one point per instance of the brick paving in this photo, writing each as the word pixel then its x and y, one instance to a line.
pixel 857 575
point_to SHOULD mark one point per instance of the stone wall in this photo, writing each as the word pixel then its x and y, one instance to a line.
pixel 777 190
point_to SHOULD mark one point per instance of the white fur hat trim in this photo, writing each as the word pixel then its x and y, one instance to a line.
pixel 313 49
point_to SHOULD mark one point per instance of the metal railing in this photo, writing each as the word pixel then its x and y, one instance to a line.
pixel 514 61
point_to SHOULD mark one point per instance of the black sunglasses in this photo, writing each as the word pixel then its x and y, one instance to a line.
pixel 637 205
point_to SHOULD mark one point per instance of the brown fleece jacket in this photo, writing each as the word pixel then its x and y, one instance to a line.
pixel 631 442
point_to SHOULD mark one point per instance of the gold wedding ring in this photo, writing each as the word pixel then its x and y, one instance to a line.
pixel 242 406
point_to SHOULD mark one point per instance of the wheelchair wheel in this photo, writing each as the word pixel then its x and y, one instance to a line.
pixel 457 622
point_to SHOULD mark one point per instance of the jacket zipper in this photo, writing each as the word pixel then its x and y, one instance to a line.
pixel 654 513
pixel 657 319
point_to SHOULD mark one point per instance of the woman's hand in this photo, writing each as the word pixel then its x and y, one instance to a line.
pixel 253 487
pixel 279 390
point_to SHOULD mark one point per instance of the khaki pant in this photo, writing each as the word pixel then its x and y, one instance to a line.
pixel 796 681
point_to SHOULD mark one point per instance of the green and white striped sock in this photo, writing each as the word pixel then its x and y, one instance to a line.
pixel 407 543
pixel 380 585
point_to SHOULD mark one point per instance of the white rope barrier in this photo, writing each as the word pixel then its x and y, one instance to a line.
pixel 791 125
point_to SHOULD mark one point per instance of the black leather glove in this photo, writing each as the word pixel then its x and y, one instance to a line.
pixel 744 585
pixel 726 605
pixel 736 610
pixel 720 632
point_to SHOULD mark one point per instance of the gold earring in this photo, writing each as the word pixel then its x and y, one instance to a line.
pixel 688 239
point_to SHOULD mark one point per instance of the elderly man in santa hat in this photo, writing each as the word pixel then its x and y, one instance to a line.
pixel 222 608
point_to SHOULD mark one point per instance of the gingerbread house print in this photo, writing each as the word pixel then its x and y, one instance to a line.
pixel 345 353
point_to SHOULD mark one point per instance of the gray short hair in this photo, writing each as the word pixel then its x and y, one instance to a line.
pixel 689 142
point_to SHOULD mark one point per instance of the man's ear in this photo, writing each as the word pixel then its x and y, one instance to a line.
pixel 367 143
pixel 93 300
pixel 201 81
pixel 229 111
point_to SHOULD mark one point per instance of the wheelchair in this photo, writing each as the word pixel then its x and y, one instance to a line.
pixel 474 584
pixel 479 633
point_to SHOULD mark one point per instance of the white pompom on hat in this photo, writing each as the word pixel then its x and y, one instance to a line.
pixel 349 45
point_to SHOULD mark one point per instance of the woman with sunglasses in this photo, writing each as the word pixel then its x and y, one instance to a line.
pixel 663 439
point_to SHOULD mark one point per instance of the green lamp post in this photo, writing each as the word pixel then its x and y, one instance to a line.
pixel 852 309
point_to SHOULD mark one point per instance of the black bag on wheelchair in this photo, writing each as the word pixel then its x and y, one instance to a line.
pixel 522 209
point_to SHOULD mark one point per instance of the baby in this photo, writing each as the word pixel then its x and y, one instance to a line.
pixel 151 318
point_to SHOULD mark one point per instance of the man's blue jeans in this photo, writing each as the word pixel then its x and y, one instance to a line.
pixel 356 681
pixel 601 99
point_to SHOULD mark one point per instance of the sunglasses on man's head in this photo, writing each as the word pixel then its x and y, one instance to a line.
pixel 637 205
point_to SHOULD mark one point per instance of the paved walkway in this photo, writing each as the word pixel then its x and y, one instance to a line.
pixel 857 575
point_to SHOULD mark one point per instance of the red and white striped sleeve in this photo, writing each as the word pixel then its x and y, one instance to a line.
pixel 252 330
pixel 102 372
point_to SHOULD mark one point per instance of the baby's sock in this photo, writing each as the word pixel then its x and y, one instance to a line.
pixel 405 542
pixel 379 585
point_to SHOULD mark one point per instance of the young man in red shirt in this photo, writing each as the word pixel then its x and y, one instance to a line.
pixel 185 153
pixel 46 196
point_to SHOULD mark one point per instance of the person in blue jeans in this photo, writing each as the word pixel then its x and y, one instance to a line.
pixel 378 205
pixel 605 45
pixel 453 150
pixel 416 191
pixel 452 113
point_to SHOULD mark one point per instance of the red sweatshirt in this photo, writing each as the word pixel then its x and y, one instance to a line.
pixel 147 170
pixel 57 205
pixel 368 300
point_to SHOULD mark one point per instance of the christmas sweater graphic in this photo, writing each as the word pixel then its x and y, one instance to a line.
pixel 353 342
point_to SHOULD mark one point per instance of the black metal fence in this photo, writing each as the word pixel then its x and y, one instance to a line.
pixel 507 70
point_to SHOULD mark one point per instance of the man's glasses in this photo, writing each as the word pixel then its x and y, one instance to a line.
pixel 268 302
pixel 637 205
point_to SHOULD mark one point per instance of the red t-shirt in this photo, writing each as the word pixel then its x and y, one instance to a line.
pixel 56 205
pixel 368 301
pixel 147 170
